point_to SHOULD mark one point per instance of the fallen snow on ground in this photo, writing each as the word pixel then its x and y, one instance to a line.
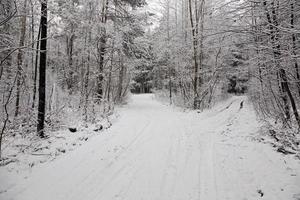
pixel 155 152
pixel 21 154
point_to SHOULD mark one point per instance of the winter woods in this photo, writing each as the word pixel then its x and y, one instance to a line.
pixel 224 102
pixel 62 59
pixel 275 26
pixel 204 49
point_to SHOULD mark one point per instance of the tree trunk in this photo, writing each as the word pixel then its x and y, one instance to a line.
pixel 32 36
pixel 20 59
pixel 168 55
pixel 170 85
pixel 86 81
pixel 42 72
pixel 200 35
pixel 101 53
pixel 110 72
pixel 296 66
pixel 286 88
pixel 36 67
pixel 196 65
pixel 70 45
pixel 121 75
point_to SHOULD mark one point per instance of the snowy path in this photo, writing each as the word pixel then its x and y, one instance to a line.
pixel 154 152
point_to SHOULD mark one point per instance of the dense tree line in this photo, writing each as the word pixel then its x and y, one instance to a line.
pixel 64 57
pixel 206 49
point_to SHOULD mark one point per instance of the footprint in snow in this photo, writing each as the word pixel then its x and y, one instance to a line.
pixel 260 192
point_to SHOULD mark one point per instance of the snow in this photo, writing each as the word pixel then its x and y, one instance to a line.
pixel 156 152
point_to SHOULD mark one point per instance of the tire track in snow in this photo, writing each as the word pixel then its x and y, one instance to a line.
pixel 96 172
pixel 164 155
pixel 170 170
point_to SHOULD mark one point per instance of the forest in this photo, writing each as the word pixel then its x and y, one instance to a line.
pixel 75 60
pixel 149 99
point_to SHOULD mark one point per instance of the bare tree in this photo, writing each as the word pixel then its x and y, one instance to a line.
pixel 42 71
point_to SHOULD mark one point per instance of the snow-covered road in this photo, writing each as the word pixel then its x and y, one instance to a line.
pixel 155 152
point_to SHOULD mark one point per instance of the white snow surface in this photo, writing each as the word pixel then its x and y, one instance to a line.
pixel 157 152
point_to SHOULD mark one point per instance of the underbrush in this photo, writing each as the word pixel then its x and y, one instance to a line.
pixel 284 139
pixel 24 148
pixel 68 124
